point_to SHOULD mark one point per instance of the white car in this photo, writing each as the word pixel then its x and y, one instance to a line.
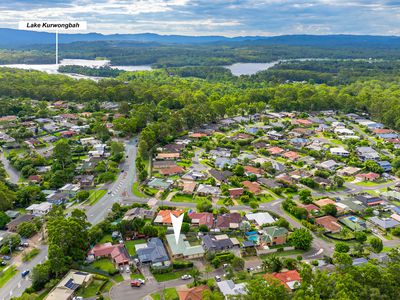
pixel 186 277
pixel 127 269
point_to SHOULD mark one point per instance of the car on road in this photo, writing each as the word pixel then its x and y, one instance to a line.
pixel 186 277
pixel 136 283
pixel 6 257
pixel 3 263
pixel 25 273
pixel 218 278
pixel 142 281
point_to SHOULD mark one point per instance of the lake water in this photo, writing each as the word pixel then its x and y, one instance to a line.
pixel 250 68
pixel 53 68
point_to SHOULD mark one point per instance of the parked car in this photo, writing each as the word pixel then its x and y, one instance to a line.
pixel 136 283
pixel 127 269
pixel 186 277
pixel 77 298
pixel 225 265
pixel 3 263
pixel 6 257
pixel 19 248
pixel 121 268
pixel 25 273
pixel 142 281
pixel 217 278
pixel 250 269
pixel 25 244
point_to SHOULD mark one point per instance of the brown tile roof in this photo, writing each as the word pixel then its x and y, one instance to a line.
pixel 253 187
pixel 195 293
pixel 329 223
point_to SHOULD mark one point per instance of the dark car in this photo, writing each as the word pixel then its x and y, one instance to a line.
pixel 24 273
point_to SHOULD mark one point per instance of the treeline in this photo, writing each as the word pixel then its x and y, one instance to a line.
pixel 26 57
pixel 209 73
pixel 211 54
pixel 331 72
pixel 105 71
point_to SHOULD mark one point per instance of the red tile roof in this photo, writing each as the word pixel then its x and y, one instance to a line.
pixel 202 218
pixel 236 192
pixel 253 170
pixel 195 293
pixel 172 170
pixel 329 223
pixel 253 187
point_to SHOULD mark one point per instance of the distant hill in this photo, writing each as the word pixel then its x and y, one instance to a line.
pixel 13 38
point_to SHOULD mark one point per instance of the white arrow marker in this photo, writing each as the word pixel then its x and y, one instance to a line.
pixel 177 226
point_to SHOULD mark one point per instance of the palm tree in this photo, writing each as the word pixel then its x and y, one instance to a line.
pixel 196 275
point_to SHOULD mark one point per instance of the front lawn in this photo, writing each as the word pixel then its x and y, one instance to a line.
pixel 104 264
pixel 371 183
pixel 171 275
pixel 182 198
pixel 136 191
pixel 92 289
pixel 6 275
pixel 169 294
pixel 106 239
pixel 130 246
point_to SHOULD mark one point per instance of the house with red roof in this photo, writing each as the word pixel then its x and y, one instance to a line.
pixel 371 176
pixel 290 279
pixel 117 253
pixel 275 150
pixel 249 170
pixel 174 170
pixel 329 223
pixel 292 155
pixel 194 293
pixel 164 216
pixel 229 221
pixel 302 122
pixel 236 192
pixel 253 187
pixel 67 134
pixel 203 218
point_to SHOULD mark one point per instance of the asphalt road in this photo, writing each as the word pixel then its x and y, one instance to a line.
pixel 13 174
pixel 16 285
pixel 95 213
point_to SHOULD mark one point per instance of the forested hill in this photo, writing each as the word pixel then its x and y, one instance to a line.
pixel 13 38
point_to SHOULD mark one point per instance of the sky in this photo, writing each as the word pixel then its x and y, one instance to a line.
pixel 213 17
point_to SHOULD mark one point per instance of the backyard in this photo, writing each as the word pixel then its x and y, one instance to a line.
pixel 130 246
pixel 169 294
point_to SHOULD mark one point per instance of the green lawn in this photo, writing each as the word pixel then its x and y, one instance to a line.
pixel 283 253
pixel 136 191
pixel 169 294
pixel 103 264
pixel 136 276
pixel 170 276
pixel 95 195
pixel 130 246
pixel 370 183
pixel 91 290
pixel 183 198
pixel 118 278
pixel 106 238
pixel 6 275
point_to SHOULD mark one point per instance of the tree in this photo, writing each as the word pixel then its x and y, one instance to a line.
pixel 281 222
pixel 203 228
pixel 185 227
pixel 82 195
pixel 301 238
pixel 238 170
pixel 305 196
pixel 342 247
pixel 59 263
pixel 237 263
pixel 4 219
pixel 62 153
pixel 7 197
pixel 196 275
pixel 29 194
pixel 41 274
pixel 372 166
pixel 204 206
pixel 26 229
pixel 272 263
pixel 342 260
pixel 338 181
pixel 259 289
pixel 329 209
pixel 360 236
pixel 376 244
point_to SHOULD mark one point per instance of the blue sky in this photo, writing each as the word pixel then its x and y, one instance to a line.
pixel 214 17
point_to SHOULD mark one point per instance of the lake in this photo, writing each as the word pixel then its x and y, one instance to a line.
pixel 53 68
pixel 250 68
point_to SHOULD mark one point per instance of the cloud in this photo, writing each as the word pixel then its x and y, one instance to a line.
pixel 204 17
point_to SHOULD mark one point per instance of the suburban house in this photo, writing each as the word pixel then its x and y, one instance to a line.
pixel 339 151
pixel 214 243
pixel 329 165
pixel 253 187
pixel 367 153
pixel 290 279
pixel 348 171
pixel 139 212
pixel 371 176
pixel 228 288
pixel 13 224
pixel 183 249
pixel 153 253
pixel 260 218
pixel 168 156
pixel 273 236
pixel 228 221
pixel 384 223
pixel 368 200
pixel 117 253
pixel 159 183
pixel 40 209
pixel 205 190
pixel 171 171
pixel 164 216
pixel 329 223
pixel 235 192
pixel 194 293
pixel 203 218
pixel 220 176
pixel 66 288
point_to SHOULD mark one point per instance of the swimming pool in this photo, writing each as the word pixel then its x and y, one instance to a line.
pixel 353 218
pixel 253 238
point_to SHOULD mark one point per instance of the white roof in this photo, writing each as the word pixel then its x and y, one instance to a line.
pixel 260 218
pixel 43 206
pixel 228 287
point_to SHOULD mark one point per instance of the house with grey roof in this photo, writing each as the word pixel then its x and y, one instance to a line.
pixel 205 189
pixel 228 288
pixel 215 243
pixel 153 252
pixel 384 223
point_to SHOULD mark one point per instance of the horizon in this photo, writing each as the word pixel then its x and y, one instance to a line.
pixel 220 18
